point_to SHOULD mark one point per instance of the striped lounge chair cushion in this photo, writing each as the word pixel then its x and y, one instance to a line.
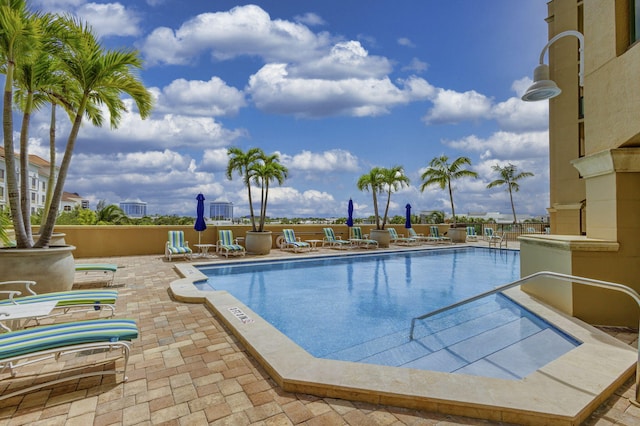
pixel 33 340
pixel 70 298
pixel 110 267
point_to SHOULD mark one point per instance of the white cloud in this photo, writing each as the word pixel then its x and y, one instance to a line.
pixel 450 106
pixel 109 19
pixel 243 30
pixel 505 145
pixel 416 65
pixel 197 97
pixel 329 161
pixel 310 19
pixel 404 41
pixel 273 90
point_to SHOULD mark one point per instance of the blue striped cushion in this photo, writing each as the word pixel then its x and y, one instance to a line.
pixel 32 340
pixel 174 249
pixel 233 247
pixel 69 298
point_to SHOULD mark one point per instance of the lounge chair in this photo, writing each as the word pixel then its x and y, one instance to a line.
pixel 360 241
pixel 290 241
pixel 434 235
pixel 333 241
pixel 488 234
pixel 227 245
pixel 87 300
pixel 418 237
pixel 471 233
pixel 105 268
pixel 31 345
pixel 177 245
pixel 401 239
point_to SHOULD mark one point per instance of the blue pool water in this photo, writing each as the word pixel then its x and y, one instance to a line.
pixel 359 308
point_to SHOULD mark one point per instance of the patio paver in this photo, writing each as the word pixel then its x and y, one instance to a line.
pixel 187 369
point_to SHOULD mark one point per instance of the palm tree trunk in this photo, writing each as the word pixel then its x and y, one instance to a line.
pixel 263 212
pixel 251 215
pixel 386 210
pixel 47 229
pixel 375 207
pixel 52 164
pixel 453 209
pixel 25 201
pixel 12 179
pixel 513 209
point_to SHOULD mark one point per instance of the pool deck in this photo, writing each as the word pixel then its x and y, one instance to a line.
pixel 187 368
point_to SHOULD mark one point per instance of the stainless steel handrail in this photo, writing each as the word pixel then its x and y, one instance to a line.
pixel 562 277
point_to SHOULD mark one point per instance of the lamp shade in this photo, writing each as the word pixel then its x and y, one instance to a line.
pixel 542 88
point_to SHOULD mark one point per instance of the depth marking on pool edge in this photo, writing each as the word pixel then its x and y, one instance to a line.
pixel 238 313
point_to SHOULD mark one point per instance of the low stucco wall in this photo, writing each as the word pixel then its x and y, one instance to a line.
pixel 116 240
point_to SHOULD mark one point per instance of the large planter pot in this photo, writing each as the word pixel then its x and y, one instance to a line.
pixel 53 268
pixel 382 236
pixel 258 242
pixel 457 235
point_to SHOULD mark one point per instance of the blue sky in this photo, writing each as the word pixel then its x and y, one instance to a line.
pixel 335 87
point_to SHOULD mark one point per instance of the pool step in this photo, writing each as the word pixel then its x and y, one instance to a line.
pixel 486 339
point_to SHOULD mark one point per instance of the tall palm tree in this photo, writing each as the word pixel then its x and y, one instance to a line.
pixel 442 173
pixel 509 178
pixel 244 163
pixel 19 41
pixel 101 76
pixel 268 170
pixel 393 179
pixel 373 181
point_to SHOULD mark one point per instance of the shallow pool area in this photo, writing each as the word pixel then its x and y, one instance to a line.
pixel 359 308
pixel 564 391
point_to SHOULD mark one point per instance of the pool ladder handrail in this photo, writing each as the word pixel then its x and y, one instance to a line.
pixel 556 275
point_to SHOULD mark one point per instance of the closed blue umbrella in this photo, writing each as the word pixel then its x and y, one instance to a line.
pixel 407 221
pixel 350 213
pixel 200 224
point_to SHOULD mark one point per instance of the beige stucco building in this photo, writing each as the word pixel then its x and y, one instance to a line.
pixel 594 147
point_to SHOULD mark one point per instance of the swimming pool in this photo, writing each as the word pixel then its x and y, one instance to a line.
pixel 359 308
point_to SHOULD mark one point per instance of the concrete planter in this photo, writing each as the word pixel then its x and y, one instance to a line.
pixel 258 242
pixel 457 235
pixel 53 268
pixel 382 236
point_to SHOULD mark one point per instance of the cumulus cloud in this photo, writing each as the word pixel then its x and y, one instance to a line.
pixel 272 89
pixel 243 30
pixel 310 19
pixel 450 106
pixel 335 160
pixel 197 97
pixel 505 145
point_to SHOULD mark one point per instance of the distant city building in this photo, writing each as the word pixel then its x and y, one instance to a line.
pixel 134 208
pixel 221 210
pixel 38 181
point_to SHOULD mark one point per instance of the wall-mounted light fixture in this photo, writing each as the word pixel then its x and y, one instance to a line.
pixel 544 88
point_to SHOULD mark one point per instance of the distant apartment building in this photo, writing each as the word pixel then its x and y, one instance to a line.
pixel 221 211
pixel 38 181
pixel 134 208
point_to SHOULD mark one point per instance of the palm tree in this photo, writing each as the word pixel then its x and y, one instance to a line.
pixel 19 40
pixel 244 163
pixel 101 76
pixel 268 169
pixel 442 173
pixel 373 181
pixel 393 179
pixel 509 178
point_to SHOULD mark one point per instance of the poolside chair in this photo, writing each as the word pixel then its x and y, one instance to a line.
pixel 471 233
pixel 418 237
pixel 401 239
pixel 83 300
pixel 434 235
pixel 177 246
pixel 333 241
pixel 37 344
pixel 290 241
pixel 227 245
pixel 360 241
pixel 104 268
pixel 496 240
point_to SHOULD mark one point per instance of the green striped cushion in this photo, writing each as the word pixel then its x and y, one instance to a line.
pixel 32 340
pixel 232 247
pixel 96 267
pixel 70 298
pixel 174 249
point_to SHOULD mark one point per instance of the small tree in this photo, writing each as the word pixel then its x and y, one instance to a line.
pixel 380 180
pixel 509 178
pixel 257 167
pixel 443 173
pixel 393 179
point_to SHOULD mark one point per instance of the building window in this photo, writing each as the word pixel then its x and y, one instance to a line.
pixel 67 208
pixel 44 186
pixel 1 193
pixel 34 183
pixel 581 148
pixel 1 174
pixel 33 197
